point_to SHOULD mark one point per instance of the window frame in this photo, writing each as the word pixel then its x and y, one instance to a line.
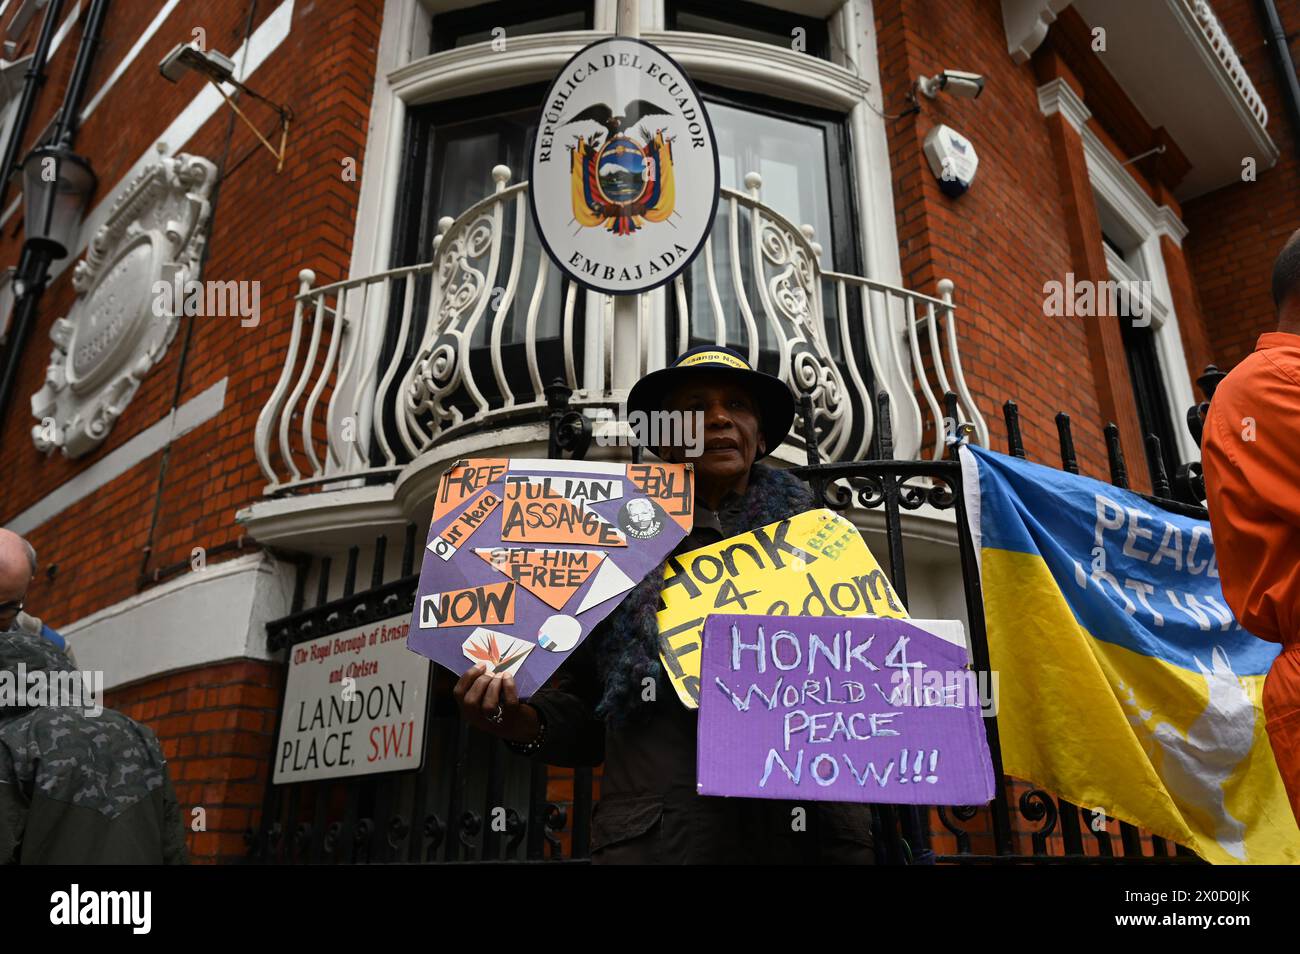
pixel 1137 224
pixel 844 237
pixel 842 250
pixel 501 13
pixel 410 75
pixel 757 14
pixel 415 223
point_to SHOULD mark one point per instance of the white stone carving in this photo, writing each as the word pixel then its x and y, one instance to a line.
pixel 112 337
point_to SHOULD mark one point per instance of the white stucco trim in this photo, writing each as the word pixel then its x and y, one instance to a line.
pixel 1058 96
pixel 404 35
pixel 130 56
pixel 179 420
pixel 1107 172
pixel 405 26
pixel 1121 190
pixel 1116 189
pixel 1174 373
pixel 64 29
pixel 204 617
pixel 855 29
pixel 1026 22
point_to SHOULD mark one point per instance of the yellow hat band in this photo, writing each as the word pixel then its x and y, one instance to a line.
pixel 714 357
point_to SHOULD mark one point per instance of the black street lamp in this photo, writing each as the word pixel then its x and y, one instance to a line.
pixel 57 184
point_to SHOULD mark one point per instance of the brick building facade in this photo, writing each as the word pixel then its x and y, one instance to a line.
pixel 169 544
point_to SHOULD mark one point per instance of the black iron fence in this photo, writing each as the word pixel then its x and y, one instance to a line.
pixel 473 800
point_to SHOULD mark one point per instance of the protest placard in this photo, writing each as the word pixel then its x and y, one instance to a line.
pixel 853 709
pixel 811 564
pixel 525 557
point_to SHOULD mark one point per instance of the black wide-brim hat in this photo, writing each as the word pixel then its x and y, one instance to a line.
pixel 772 397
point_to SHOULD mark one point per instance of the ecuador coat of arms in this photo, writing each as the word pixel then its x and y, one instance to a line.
pixel 624 181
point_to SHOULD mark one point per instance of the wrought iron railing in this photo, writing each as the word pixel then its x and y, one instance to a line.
pixel 379 369
pixel 441 812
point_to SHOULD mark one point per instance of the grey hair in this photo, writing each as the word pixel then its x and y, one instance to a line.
pixel 31 554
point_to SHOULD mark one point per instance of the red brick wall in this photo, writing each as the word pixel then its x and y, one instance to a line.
pixel 216 726
pixel 215 723
pixel 1002 240
pixel 1012 232
pixel 1236 232
pixel 265 227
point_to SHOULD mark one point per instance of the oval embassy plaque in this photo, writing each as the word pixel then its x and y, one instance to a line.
pixel 624 179
pixel 107 320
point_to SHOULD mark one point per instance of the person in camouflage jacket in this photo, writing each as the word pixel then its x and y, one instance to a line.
pixel 78 787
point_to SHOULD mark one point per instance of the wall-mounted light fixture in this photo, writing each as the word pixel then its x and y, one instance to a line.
pixel 220 69
pixel 57 184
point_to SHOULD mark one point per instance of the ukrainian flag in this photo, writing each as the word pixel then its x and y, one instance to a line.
pixel 1125 684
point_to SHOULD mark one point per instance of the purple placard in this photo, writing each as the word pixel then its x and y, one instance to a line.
pixel 647 506
pixel 844 709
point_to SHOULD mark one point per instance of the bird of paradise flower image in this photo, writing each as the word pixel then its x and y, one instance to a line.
pixel 503 654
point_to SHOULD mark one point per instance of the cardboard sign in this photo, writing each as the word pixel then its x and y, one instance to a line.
pixel 854 709
pixel 464 480
pixel 491 603
pixel 813 564
pixel 553 575
pixel 354 704
pixel 458 531
pixel 525 557
pixel 502 653
pixel 536 513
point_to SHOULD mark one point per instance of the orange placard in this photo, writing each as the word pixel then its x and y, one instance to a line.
pixel 459 530
pixel 464 479
pixel 489 604
pixel 552 575
pixel 534 513
pixel 671 486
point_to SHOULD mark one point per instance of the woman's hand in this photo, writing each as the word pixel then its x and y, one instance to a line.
pixel 491 704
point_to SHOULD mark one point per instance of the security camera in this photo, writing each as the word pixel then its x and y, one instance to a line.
pixel 957 82
pixel 209 63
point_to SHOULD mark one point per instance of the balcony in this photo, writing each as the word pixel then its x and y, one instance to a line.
pixel 1174 60
pixel 389 377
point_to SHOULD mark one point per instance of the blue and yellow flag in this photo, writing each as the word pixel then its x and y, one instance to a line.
pixel 1125 683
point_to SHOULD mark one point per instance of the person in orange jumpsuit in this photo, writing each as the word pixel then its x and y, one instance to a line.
pixel 1250 451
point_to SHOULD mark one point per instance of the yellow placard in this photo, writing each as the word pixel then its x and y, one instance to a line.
pixel 811 564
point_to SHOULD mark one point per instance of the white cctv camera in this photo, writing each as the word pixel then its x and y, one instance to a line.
pixel 957 82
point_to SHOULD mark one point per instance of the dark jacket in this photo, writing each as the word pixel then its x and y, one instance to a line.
pixel 78 787
pixel 649 811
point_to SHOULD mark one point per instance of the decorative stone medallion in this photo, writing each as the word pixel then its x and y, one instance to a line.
pixel 119 328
